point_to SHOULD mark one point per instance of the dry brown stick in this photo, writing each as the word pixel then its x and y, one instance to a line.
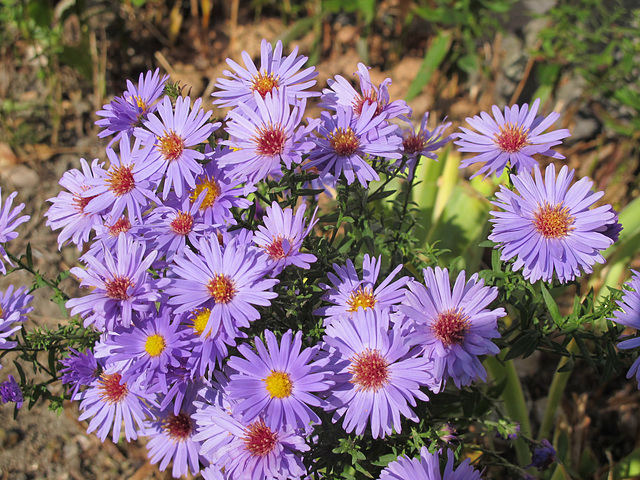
pixel 525 76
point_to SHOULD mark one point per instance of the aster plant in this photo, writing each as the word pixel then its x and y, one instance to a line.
pixel 256 313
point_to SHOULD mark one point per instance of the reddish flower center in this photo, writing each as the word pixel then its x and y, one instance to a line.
pixel 81 202
pixel 369 98
pixel 259 439
pixel 413 143
pixel 213 192
pixel 121 225
pixel 182 224
pixel 178 427
pixel 171 145
pixel 112 390
pixel 370 370
pixel 264 83
pixel 511 138
pixel 221 289
pixel 121 180
pixel 450 327
pixel 117 288
pixel 275 249
pixel 344 141
pixel 270 141
pixel 553 222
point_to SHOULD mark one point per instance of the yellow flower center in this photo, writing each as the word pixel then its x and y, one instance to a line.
pixel 200 319
pixel 155 345
pixel 171 145
pixel 553 222
pixel 278 384
pixel 213 192
pixel 361 298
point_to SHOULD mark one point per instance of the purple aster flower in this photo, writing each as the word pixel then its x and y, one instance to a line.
pixel 378 375
pixel 454 326
pixel 14 307
pixel 125 183
pixel 428 468
pixel 263 137
pixel 10 392
pixel 67 210
pixel 9 220
pixel 423 143
pixel 151 345
pixel 171 439
pixel 80 369
pixel 110 403
pixel 175 222
pixel 510 138
pixel 279 384
pixel 543 456
pixel 347 141
pixel 125 113
pixel 549 228
pixel 227 280
pixel 275 73
pixel 223 193
pixel 282 235
pixel 121 284
pixel 172 136
pixel 245 450
pixel 629 315
pixel 341 94
pixel 350 294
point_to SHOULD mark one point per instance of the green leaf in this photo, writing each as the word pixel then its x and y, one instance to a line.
pixel 551 305
pixel 628 467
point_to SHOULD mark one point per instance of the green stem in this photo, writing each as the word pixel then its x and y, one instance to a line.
pixel 556 391
pixel 514 403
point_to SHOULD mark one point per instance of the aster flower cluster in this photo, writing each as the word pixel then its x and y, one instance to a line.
pixel 192 242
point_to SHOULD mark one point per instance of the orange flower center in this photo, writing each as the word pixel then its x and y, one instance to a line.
pixel 361 298
pixel 221 288
pixel 121 180
pixel 264 83
pixel 553 222
pixel 370 370
pixel 171 145
pixel 344 141
pixel 121 225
